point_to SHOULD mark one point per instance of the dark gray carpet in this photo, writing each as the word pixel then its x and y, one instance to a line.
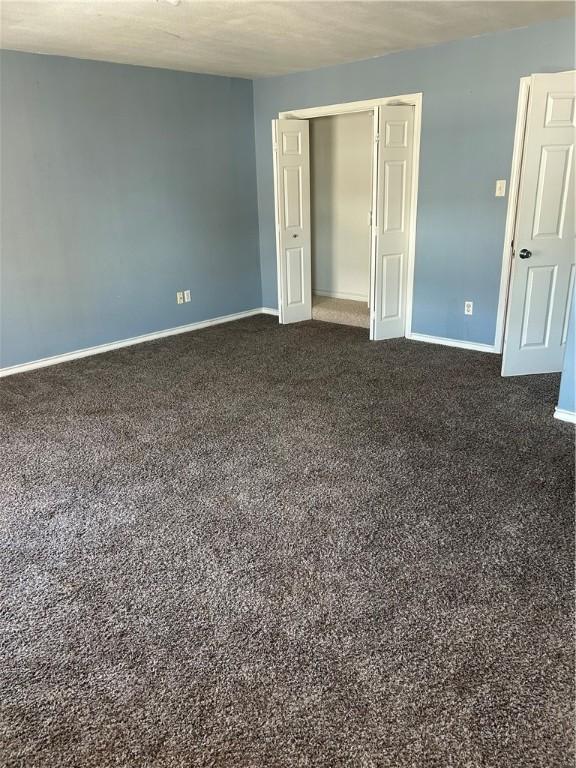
pixel 260 546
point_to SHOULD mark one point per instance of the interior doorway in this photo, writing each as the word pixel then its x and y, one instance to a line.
pixel 338 197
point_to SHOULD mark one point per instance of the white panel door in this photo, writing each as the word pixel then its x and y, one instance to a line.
pixel 543 264
pixel 392 221
pixel 292 198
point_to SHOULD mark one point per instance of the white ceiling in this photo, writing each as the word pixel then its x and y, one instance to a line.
pixel 253 38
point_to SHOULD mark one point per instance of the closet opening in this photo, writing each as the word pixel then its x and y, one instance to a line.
pixel 340 202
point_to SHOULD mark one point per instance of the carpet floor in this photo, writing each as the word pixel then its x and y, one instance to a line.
pixel 341 311
pixel 259 546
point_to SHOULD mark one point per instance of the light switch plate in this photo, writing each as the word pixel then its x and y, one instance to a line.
pixel 501 188
pixel 187 296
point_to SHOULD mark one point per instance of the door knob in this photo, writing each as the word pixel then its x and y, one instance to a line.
pixel 525 253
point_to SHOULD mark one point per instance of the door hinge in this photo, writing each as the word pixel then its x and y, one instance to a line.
pixel 512 249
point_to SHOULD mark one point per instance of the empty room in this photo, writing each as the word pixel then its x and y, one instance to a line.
pixel 287 384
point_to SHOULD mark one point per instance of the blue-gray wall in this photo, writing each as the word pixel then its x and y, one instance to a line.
pixel 121 185
pixel 567 398
pixel 470 92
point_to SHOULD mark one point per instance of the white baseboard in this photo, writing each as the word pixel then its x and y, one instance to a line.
pixel 564 415
pixel 452 342
pixel 100 348
pixel 340 295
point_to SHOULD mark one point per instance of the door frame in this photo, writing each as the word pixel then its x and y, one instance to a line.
pixel 370 105
pixel 511 212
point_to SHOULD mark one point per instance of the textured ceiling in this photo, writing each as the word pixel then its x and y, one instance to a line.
pixel 249 38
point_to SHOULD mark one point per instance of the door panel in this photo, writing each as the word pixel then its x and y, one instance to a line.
pixel 292 197
pixel 394 195
pixel 538 306
pixel 292 193
pixel 560 111
pixel 396 133
pixel 552 192
pixel 295 281
pixel 391 229
pixel 542 283
pixel 391 303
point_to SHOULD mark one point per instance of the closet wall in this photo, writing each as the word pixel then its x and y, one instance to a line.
pixel 341 181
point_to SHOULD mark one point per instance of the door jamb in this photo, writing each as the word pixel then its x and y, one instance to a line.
pixel 374 221
pixel 511 212
pixel 410 99
pixel 276 220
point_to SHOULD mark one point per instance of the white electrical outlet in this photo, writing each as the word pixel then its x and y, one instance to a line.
pixel 468 307
pixel 180 297
pixel 187 296
pixel 500 188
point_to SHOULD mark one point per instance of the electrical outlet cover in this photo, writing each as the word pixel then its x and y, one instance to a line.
pixel 180 297
pixel 468 307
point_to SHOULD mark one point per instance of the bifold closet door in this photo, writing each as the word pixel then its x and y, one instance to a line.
pixel 391 228
pixel 292 207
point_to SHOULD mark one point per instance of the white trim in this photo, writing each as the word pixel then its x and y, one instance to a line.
pixel 513 191
pixel 374 220
pixel 476 347
pixel 340 295
pixel 413 212
pixel 409 99
pixel 564 415
pixel 100 348
pixel 277 220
